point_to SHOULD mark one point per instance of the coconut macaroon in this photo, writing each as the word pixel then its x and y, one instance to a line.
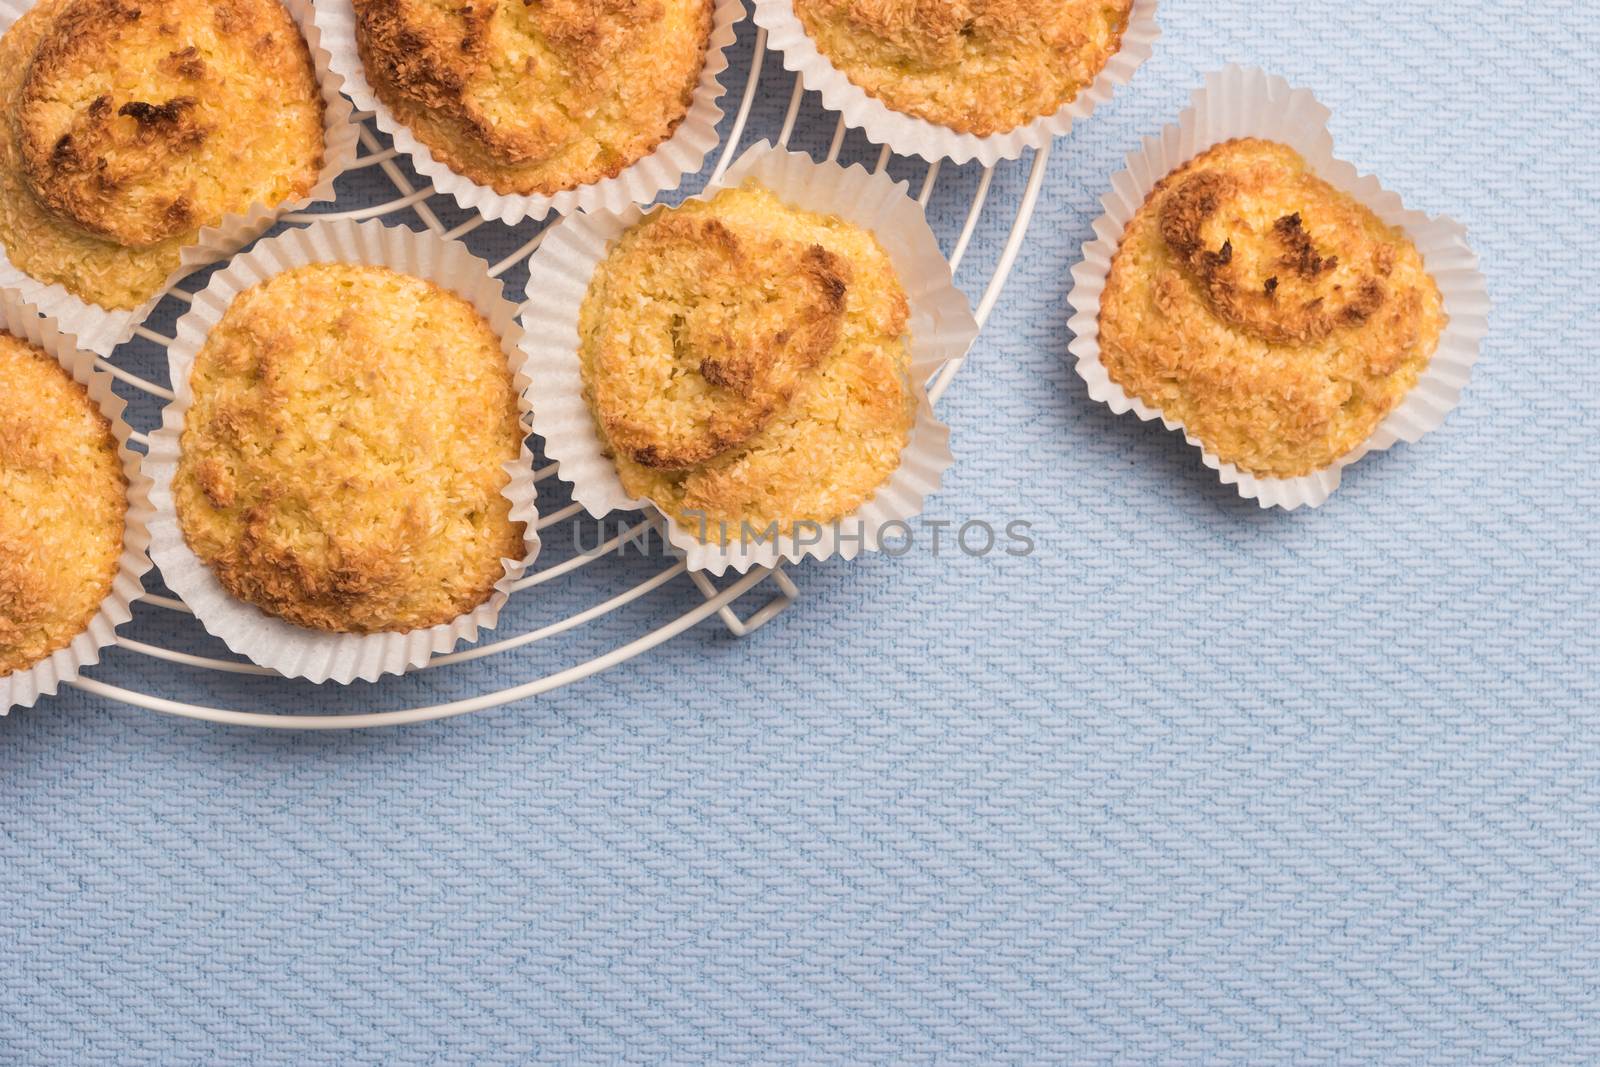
pixel 134 123
pixel 1276 317
pixel 747 361
pixel 343 461
pixel 974 66
pixel 535 98
pixel 63 506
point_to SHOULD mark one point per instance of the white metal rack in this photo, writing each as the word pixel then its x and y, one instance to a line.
pixel 711 600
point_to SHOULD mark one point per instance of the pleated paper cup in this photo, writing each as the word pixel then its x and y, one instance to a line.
pixel 942 329
pixel 102 329
pixel 21 689
pixel 640 182
pixel 912 136
pixel 1241 102
pixel 294 651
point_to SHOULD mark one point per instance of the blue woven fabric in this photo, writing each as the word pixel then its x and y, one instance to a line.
pixel 1193 783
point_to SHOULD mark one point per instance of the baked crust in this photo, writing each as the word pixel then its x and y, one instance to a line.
pixel 535 97
pixel 63 506
pixel 975 66
pixel 342 465
pixel 1276 317
pixel 741 318
pixel 133 123
pixel 747 362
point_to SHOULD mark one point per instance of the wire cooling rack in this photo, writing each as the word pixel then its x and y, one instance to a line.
pixel 403 198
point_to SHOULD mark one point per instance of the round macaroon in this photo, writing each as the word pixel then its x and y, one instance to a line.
pixel 1275 316
pixel 747 361
pixel 134 123
pixel 344 459
pixel 63 506
pixel 536 98
pixel 975 66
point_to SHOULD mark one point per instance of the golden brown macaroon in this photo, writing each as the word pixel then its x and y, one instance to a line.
pixel 63 506
pixel 342 465
pixel 975 66
pixel 134 123
pixel 747 361
pixel 1276 317
pixel 535 98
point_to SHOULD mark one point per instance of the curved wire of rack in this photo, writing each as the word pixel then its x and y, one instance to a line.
pixel 714 601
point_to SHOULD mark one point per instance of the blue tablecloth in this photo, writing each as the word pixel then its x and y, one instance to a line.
pixel 1192 783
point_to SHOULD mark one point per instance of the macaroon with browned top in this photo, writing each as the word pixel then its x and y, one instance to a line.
pixel 63 506
pixel 1276 317
pixel 535 98
pixel 747 361
pixel 975 66
pixel 134 123
pixel 343 462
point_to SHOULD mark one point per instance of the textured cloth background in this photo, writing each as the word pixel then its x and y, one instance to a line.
pixel 1192 784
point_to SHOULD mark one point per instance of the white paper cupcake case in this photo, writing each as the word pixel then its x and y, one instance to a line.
pixel 1239 102
pixel 909 135
pixel 942 328
pixel 21 689
pixel 268 641
pixel 661 171
pixel 103 329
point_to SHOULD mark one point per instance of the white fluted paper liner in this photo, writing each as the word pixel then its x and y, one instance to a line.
pixel 909 135
pixel 294 651
pixel 1246 102
pixel 661 171
pixel 942 328
pixel 21 689
pixel 102 329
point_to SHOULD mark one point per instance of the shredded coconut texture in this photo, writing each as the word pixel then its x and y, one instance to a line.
pixel 747 361
pixel 134 123
pixel 535 97
pixel 975 66
pixel 63 505
pixel 1276 317
pixel 343 462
